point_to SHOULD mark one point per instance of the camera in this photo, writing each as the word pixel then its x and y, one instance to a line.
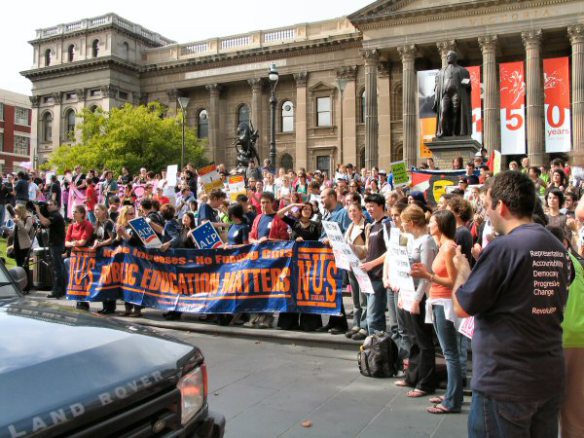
pixel 30 206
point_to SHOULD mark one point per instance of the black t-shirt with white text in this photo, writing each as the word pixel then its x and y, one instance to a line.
pixel 517 291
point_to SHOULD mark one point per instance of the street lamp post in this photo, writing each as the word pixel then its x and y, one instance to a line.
pixel 183 103
pixel 273 77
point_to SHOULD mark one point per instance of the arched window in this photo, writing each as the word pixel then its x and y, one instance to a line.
pixel 47 57
pixel 361 157
pixel 203 124
pixel 243 115
pixel 287 162
pixel 47 127
pixel 95 48
pixel 397 102
pixel 126 50
pixel 70 124
pixel 71 53
pixel 93 108
pixel 288 116
pixel 362 107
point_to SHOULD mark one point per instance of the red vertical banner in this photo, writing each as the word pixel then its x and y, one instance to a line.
pixel 556 84
pixel 512 93
pixel 426 115
pixel 475 103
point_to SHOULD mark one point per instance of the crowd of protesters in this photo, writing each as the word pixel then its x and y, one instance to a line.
pixel 489 224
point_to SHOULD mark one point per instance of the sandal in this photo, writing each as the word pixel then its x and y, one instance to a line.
pixel 437 400
pixel 440 409
pixel 416 393
pixel 402 384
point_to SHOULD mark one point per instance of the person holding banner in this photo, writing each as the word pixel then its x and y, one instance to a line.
pixel 103 235
pixel 125 234
pixel 171 233
pixel 303 229
pixel 79 234
pixel 440 308
pixel 421 371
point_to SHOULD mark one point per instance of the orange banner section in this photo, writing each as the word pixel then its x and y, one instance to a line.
pixel 558 132
pixel 512 93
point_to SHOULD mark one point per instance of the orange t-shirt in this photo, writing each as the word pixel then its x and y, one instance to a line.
pixel 439 269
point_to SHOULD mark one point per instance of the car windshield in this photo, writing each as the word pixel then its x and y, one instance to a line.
pixel 7 288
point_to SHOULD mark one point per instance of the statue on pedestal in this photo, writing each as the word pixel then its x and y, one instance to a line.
pixel 245 146
pixel 452 100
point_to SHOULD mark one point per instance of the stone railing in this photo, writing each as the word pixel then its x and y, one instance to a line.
pixel 91 23
pixel 252 40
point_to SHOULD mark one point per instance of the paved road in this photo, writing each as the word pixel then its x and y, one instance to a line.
pixel 267 390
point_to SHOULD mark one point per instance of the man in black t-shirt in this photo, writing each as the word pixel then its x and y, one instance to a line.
pixel 55 191
pixel 56 225
pixel 516 292
pixel 152 216
pixel 21 188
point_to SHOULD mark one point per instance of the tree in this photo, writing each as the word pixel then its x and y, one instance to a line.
pixel 131 136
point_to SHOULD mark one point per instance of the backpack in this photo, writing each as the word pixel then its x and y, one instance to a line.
pixel 378 356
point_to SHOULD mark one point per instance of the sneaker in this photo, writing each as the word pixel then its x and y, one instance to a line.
pixel 359 336
pixel 336 331
pixel 351 332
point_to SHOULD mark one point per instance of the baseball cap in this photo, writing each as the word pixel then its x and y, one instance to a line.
pixel 382 172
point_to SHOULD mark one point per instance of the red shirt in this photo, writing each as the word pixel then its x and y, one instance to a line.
pixel 80 231
pixel 91 197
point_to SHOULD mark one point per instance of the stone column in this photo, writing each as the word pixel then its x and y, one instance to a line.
pixel 371 124
pixel 534 92
pixel 35 129
pixel 576 34
pixel 444 47
pixel 491 108
pixel 346 115
pixel 58 137
pixel 300 121
pixel 214 153
pixel 383 87
pixel 256 112
pixel 407 54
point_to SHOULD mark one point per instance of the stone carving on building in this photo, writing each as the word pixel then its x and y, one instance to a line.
pixel 245 146
pixel 452 100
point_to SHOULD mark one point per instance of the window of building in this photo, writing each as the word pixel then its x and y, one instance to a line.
pixel 288 116
pixel 71 53
pixel 93 108
pixel 323 111
pixel 362 157
pixel 203 124
pixel 70 96
pixel 1 111
pixel 47 134
pixel 21 116
pixel 21 145
pixel 243 115
pixel 48 99
pixel 47 57
pixel 1 141
pixel 126 50
pixel 363 108
pixel 287 162
pixel 123 95
pixel 323 163
pixel 96 92
pixel 95 48
pixel 70 123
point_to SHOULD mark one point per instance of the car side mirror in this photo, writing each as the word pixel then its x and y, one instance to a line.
pixel 19 276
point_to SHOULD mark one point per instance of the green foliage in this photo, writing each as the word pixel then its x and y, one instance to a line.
pixel 131 136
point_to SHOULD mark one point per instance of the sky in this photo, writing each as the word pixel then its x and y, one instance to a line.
pixel 180 20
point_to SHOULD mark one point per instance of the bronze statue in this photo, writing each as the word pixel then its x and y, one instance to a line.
pixel 245 146
pixel 452 100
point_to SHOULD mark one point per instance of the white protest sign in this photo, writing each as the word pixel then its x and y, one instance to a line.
pixel 345 258
pixel 400 270
pixel 467 327
pixel 171 172
pixel 48 176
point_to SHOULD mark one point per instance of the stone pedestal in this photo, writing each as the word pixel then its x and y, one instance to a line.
pixel 445 149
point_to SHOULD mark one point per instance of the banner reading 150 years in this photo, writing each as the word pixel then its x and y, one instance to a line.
pixel 556 73
pixel 475 102
pixel 270 277
pixel 512 89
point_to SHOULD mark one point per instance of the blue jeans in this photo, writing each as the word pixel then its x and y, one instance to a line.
pixel 376 305
pixel 359 303
pixel 91 217
pixel 59 277
pixel 2 215
pixel 463 343
pixel 506 419
pixel 448 338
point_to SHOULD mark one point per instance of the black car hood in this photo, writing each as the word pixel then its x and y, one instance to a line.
pixel 57 359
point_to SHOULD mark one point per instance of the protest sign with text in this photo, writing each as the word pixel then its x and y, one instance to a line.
pixel 206 236
pixel 209 178
pixel 145 232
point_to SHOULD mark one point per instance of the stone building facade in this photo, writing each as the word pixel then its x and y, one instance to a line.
pixel 347 86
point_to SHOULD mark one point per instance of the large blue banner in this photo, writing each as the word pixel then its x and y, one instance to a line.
pixel 270 277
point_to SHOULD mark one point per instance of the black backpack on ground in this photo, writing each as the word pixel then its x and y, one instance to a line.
pixel 378 356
